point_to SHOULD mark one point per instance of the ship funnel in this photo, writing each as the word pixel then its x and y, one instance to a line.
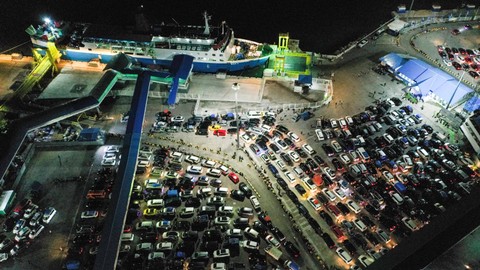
pixel 206 17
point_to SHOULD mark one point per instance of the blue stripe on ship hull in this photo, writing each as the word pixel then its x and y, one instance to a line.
pixel 197 66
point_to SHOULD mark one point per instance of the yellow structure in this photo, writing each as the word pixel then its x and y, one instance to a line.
pixel 42 66
pixel 283 42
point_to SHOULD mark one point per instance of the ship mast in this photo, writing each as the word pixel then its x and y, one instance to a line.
pixel 207 27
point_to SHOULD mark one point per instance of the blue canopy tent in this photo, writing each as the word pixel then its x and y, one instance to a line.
pixel 393 61
pixel 90 134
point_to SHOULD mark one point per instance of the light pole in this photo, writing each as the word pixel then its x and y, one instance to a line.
pixel 236 87
pixel 456 88
pixel 410 11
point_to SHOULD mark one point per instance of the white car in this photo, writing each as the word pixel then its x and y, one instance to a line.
pixel 409 223
pixel 108 162
pixel 349 120
pixel 222 220
pixel 48 214
pixel 344 255
pixel 345 158
pixel 35 219
pixel 218 266
pixel 31 210
pixel 109 155
pixel 314 203
pixel 245 137
pixel 293 136
pixel 342 122
pixel 163 246
pixel 447 62
pixel 289 175
pixel 192 159
pixel 249 244
pixel 89 214
pixel 295 157
pixel 208 163
pixel 329 194
pixel 178 119
pixel 329 172
pixel 272 240
pixel 364 260
pixel 362 43
pixel 336 146
pixel 339 193
pixel 36 231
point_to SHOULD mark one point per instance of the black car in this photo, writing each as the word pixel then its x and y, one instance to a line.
pixel 9 224
pixel 289 142
pixel 305 168
pixel 328 149
pixel 359 240
pixel 282 183
pixel 282 129
pixel 260 228
pixel 300 189
pixel 367 221
pixel 328 240
pixel 193 202
pixel 278 234
pixel 319 160
pixel 350 247
pixel 372 238
pixel 314 224
pixel 286 158
pixel 292 249
pixel 338 166
pixel 237 195
pixel 292 195
pixel 302 210
pixel 274 148
pixel 245 189
pixel 328 219
pixel 396 100
pixel 313 165
pixel 301 152
pixel 343 208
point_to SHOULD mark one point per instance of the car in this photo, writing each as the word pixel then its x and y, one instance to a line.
pixel 314 203
pixel 246 138
pixel 30 211
pixel 237 195
pixel 221 253
pixel 233 177
pixel 344 255
pixel 48 214
pixel 328 240
pixel 245 189
pixel 171 235
pixel 326 217
pixel 192 159
pixel 336 146
pixel 328 149
pixel 272 240
pixel 300 189
pixel 248 244
pixel 362 43
pixel 294 156
pixel 292 249
pixel 178 119
pixel 222 220
pixel 35 219
pixel 22 233
pixel 150 212
pixel 364 260
pixel 234 233
pixel 216 201
pixel 409 223
pixel 19 225
pixel 294 137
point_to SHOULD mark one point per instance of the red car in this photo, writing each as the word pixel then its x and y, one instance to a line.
pixel 233 177
pixel 127 229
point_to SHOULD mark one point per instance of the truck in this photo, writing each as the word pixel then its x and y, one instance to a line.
pixel 153 184
pixel 274 252
pixel 6 201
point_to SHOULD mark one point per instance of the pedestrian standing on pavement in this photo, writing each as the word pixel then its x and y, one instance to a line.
pixel 335 104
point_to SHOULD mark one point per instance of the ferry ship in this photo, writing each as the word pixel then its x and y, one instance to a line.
pixel 215 49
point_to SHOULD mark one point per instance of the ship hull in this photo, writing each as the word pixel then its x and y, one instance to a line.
pixel 198 66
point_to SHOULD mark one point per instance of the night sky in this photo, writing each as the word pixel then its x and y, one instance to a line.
pixel 320 25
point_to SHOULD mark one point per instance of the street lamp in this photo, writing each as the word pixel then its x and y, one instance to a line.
pixel 456 88
pixel 236 87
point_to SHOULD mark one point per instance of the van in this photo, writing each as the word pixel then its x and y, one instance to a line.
pixel 155 203
pixel 127 237
pixel 144 225
pixel 254 115
pixel 221 191
pixel 214 172
pixel 96 194
pixel 251 232
pixel 255 203
pixel 194 169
